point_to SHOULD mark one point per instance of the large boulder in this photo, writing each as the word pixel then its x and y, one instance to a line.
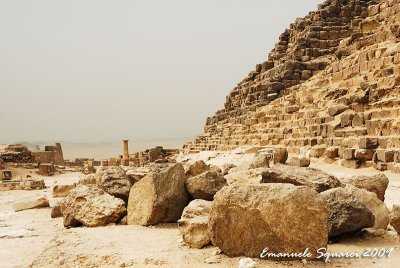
pixel 314 178
pixel 205 185
pixel 246 219
pixel 376 184
pixel 197 168
pixel 91 207
pixel 114 181
pixel 193 224
pixel 395 218
pixel 30 203
pixel 159 197
pixel 346 214
pixel 374 204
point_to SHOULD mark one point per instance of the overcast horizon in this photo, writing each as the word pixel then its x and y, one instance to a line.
pixel 93 71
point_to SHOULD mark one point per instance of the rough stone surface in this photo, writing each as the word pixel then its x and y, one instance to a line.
pixel 376 184
pixel 91 207
pixel 314 178
pixel 114 181
pixel 30 203
pixel 62 190
pixel 56 211
pixel 88 180
pixel 205 185
pixel 299 161
pixel 246 219
pixel 159 197
pixel 395 218
pixel 372 202
pixel 332 80
pixel 260 161
pixel 197 168
pixel 280 155
pixel 193 224
pixel 226 168
pixel 346 214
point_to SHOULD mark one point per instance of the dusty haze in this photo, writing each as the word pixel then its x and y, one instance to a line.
pixel 106 70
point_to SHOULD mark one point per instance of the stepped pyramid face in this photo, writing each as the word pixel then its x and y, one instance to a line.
pixel 331 84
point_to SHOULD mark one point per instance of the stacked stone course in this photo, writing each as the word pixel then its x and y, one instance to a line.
pixel 331 86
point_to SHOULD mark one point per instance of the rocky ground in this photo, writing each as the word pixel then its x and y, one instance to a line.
pixel 31 238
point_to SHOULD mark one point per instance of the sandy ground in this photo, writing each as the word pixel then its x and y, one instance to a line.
pixel 32 239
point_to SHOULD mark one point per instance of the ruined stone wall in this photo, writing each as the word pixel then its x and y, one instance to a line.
pixel 347 110
pixel 43 156
pixel 51 154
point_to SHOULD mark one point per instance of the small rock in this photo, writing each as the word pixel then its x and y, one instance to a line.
pixel 62 190
pixel 299 161
pixel 30 203
pixel 213 259
pixel 246 263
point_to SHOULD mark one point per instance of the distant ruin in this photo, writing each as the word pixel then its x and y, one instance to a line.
pixel 51 154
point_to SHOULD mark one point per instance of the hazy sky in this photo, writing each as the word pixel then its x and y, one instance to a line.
pixel 104 70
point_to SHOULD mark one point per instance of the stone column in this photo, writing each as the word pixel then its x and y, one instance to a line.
pixel 125 156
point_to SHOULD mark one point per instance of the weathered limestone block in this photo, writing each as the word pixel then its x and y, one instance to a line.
pixel 280 155
pixel 335 110
pixel 114 181
pixel 88 180
pixel 313 178
pixel 299 161
pixel 346 118
pixel 368 143
pixel 385 156
pixel 56 211
pixel 62 190
pixel 347 153
pixel 287 219
pixel 260 160
pixel 372 202
pixel 376 184
pixel 346 214
pixel 160 197
pixel 369 25
pixel 197 168
pixel 205 185
pixel 364 154
pixel 193 224
pixel 351 163
pixel 226 168
pixel 317 151
pixel 332 152
pixel 395 218
pixel 31 202
pixel 91 207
